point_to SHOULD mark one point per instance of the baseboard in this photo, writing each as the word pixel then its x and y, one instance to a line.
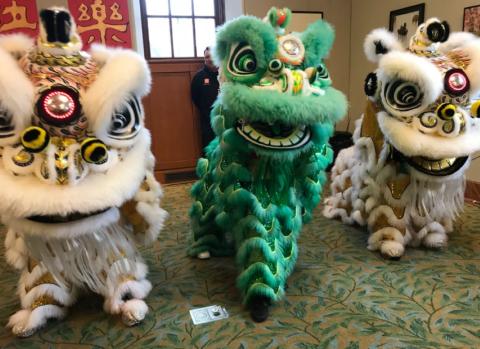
pixel 472 191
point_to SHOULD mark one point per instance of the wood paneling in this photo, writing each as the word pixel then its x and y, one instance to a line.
pixel 172 118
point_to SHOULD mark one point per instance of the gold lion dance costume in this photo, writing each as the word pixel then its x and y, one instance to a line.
pixel 76 173
pixel 404 177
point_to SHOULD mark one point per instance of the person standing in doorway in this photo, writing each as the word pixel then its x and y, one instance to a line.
pixel 204 91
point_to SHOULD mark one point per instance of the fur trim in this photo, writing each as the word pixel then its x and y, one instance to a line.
pixel 318 41
pixel 377 39
pixel 383 235
pixel 138 290
pixel 133 311
pixel 124 73
pixel 65 230
pixel 410 67
pixel 155 217
pixel 15 250
pixel 457 40
pixel 16 44
pixel 26 196
pixel 411 142
pixel 16 95
pixel 25 322
pixel 60 294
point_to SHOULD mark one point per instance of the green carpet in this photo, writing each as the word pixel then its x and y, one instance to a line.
pixel 340 296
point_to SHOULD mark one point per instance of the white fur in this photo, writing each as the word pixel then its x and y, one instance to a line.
pixel 138 290
pixel 411 142
pixel 124 73
pixel 64 230
pixel 58 293
pixel 155 217
pixel 16 94
pixel 25 322
pixel 410 67
pixel 387 39
pixel 456 40
pixel 134 311
pixel 16 44
pixel 15 250
pixel 26 196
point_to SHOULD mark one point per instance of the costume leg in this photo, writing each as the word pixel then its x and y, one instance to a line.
pixel 125 291
pixel 208 236
pixel 388 231
pixel 267 252
pixel 42 298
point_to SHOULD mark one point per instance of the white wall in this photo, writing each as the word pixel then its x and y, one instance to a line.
pixel 233 8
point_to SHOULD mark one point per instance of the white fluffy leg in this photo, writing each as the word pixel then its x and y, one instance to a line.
pixel 26 322
pixel 126 296
pixel 435 235
pixel 435 240
pixel 389 241
pixel 134 311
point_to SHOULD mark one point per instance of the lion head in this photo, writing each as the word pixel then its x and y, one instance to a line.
pixel 276 91
pixel 72 142
pixel 423 96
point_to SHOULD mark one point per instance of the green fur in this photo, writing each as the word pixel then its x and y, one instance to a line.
pixel 252 201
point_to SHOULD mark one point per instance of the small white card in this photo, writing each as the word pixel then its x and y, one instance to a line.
pixel 208 314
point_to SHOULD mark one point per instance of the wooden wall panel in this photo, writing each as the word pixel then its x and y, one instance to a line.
pixel 172 118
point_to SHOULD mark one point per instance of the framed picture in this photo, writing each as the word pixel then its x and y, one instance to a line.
pixel 301 20
pixel 404 21
pixel 471 19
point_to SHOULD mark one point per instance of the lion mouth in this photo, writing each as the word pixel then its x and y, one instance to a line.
pixel 435 167
pixel 58 219
pixel 276 136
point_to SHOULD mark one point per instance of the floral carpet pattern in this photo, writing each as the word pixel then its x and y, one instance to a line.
pixel 340 296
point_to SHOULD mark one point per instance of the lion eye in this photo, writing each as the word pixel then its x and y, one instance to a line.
pixel 403 95
pixel 6 123
pixel 243 61
pixel 126 123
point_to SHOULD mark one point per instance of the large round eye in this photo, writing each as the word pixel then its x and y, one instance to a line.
pixel 403 95
pixel 456 82
pixel 126 123
pixel 6 123
pixel 243 61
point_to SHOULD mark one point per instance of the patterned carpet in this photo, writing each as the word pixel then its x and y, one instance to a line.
pixel 340 296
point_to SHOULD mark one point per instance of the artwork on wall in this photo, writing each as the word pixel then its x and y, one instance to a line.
pixel 301 20
pixel 404 21
pixel 102 21
pixel 471 19
pixel 18 16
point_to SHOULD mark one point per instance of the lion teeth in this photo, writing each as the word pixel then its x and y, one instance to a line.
pixel 298 137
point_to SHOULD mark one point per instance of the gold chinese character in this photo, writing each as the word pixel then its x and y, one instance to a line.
pixel 99 14
pixel 19 18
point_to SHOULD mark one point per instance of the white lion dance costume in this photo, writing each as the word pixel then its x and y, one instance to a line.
pixel 404 176
pixel 76 173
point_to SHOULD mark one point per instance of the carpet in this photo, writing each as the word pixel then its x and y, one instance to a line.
pixel 340 296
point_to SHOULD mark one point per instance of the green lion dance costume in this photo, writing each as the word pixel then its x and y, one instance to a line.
pixel 264 171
